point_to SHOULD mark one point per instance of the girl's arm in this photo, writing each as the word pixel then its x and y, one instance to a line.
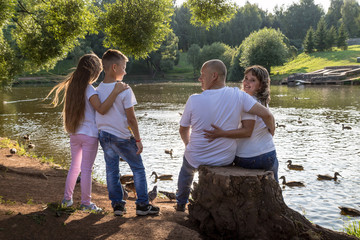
pixel 133 124
pixel 102 108
pixel 243 132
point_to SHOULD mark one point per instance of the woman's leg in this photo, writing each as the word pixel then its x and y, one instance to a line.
pixel 89 151
pixel 76 155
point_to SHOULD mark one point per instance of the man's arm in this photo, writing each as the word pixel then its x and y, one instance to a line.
pixel 266 116
pixel 132 121
pixel 185 134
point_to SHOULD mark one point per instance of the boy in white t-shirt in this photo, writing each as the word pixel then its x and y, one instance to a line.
pixel 117 140
pixel 218 105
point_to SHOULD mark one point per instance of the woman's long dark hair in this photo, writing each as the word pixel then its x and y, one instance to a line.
pixel 263 94
pixel 74 86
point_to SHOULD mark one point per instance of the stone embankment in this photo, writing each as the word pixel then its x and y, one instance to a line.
pixel 336 75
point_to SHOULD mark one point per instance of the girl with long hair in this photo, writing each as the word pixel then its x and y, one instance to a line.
pixel 80 102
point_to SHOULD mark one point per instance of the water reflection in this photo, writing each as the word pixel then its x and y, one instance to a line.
pixel 317 142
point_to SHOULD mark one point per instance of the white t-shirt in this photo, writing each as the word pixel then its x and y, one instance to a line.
pixel 221 107
pixel 115 120
pixel 260 142
pixel 88 125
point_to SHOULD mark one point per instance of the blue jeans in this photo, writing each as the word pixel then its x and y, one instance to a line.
pixel 185 179
pixel 114 148
pixel 267 161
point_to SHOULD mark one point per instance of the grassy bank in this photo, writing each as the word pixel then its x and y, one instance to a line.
pixel 304 63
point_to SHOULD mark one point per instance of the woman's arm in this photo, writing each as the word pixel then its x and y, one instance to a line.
pixel 102 108
pixel 243 132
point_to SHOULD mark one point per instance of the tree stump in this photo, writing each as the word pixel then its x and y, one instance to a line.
pixel 237 203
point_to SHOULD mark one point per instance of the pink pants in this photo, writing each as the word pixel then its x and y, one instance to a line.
pixel 83 153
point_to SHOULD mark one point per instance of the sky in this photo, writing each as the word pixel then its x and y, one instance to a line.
pixel 270 4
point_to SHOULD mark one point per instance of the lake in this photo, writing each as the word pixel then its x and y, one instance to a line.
pixel 313 137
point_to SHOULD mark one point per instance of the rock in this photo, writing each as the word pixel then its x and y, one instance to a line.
pixel 237 203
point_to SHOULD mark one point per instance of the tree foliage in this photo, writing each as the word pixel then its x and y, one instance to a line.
pixel 210 13
pixel 320 35
pixel 296 20
pixel 137 27
pixel 266 47
pixel 193 57
pixel 342 36
pixel 309 41
pixel 350 13
pixel 333 14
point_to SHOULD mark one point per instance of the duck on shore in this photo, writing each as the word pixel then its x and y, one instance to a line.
pixel 162 177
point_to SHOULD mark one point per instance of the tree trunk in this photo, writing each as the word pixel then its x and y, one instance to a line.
pixel 237 203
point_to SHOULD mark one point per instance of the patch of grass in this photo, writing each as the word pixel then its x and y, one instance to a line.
pixel 9 212
pixel 30 201
pixel 58 209
pixel 318 60
pixel 353 228
pixel 2 201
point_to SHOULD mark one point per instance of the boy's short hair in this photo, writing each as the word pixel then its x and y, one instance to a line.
pixel 112 56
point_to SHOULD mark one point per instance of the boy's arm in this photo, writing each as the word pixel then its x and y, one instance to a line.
pixel 185 134
pixel 243 132
pixel 102 108
pixel 132 121
pixel 266 116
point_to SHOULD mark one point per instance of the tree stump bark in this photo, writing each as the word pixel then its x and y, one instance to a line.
pixel 237 203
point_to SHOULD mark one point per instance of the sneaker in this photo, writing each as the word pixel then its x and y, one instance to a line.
pixel 147 209
pixel 119 209
pixel 90 207
pixel 180 207
pixel 66 203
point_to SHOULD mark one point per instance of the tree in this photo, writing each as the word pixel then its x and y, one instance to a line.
pixel 350 13
pixel 309 44
pixel 342 37
pixel 193 57
pixel 210 13
pixel 331 37
pixel 333 14
pixel 265 47
pixel 236 71
pixel 320 36
pixel 296 20
pixel 137 27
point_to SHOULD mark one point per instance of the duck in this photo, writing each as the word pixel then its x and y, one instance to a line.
pixel 292 183
pixel 162 177
pixel 167 151
pixel 346 127
pixel 26 136
pixel 78 179
pixel 31 145
pixel 328 177
pixel 130 187
pixel 13 150
pixel 152 194
pixel 169 195
pixel 126 178
pixel 299 120
pixel 294 167
pixel 349 211
pixel 280 125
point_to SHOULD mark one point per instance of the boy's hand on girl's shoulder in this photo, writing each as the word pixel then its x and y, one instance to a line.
pixel 120 87
pixel 140 147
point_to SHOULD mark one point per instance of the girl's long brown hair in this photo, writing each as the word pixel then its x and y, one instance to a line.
pixel 74 86
pixel 263 94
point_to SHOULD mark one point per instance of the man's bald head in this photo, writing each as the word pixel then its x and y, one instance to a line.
pixel 216 65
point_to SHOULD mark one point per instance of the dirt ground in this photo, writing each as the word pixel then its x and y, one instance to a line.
pixel 30 193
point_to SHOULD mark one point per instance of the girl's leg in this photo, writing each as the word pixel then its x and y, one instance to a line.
pixel 89 151
pixel 76 154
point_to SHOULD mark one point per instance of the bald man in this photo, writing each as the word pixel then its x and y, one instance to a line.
pixel 218 105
